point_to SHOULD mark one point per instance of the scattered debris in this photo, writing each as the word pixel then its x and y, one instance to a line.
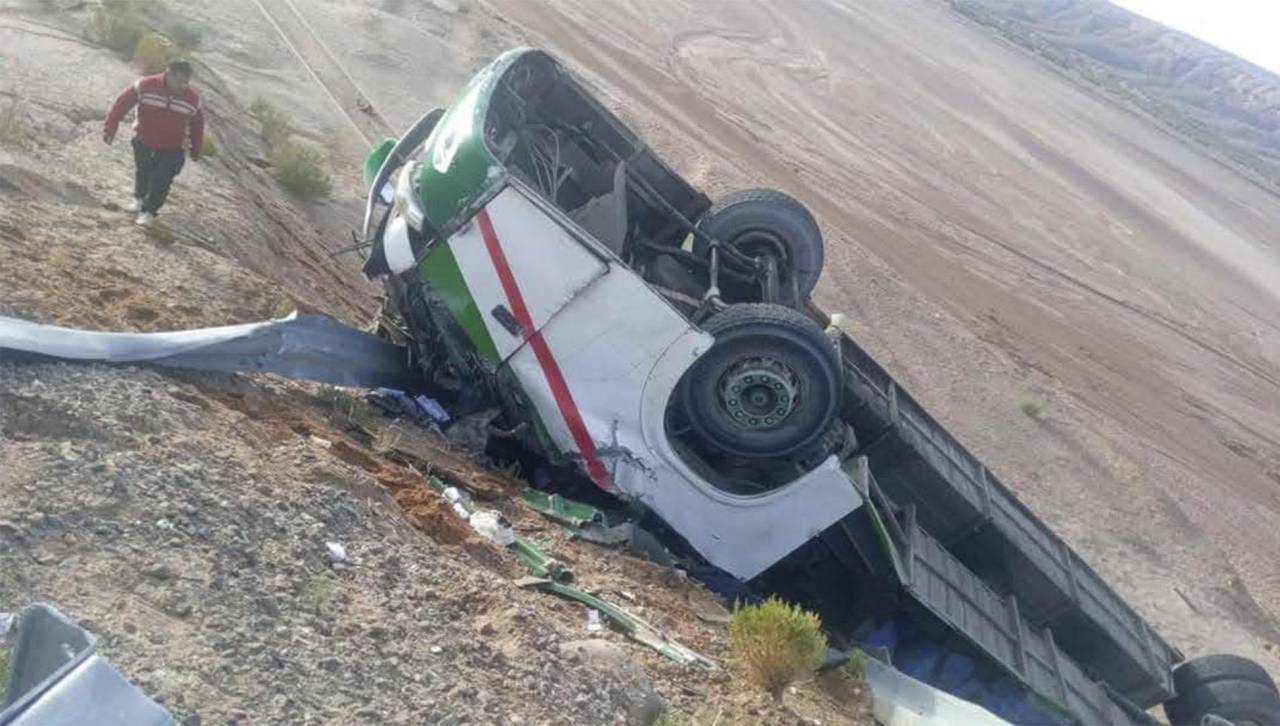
pixel 630 625
pixel 593 621
pixel 6 622
pixel 422 410
pixel 336 552
pixel 706 609
pixel 636 540
pixel 567 511
pixel 493 526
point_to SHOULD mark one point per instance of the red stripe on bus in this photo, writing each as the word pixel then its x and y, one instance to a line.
pixel 541 351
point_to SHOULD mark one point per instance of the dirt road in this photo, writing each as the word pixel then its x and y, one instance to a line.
pixel 994 231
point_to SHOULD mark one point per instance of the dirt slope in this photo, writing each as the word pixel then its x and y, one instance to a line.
pixel 185 519
pixel 993 230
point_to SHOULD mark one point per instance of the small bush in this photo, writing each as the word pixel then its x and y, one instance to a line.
pixel 186 37
pixel 154 51
pixel 320 591
pixel 211 146
pixel 300 169
pixel 856 667
pixel 275 126
pixel 162 234
pixel 15 129
pixel 117 26
pixel 283 307
pixel 1031 405
pixel 776 643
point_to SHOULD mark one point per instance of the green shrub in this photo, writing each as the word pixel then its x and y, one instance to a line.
pixel 856 667
pixel 776 643
pixel 117 26
pixel 1031 405
pixel 300 169
pixel 275 126
pixel 15 129
pixel 154 51
pixel 186 37
pixel 162 234
pixel 211 146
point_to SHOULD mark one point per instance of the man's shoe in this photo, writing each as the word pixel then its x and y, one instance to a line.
pixel 145 219
pixel 135 205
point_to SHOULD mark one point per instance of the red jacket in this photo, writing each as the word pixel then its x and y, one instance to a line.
pixel 164 118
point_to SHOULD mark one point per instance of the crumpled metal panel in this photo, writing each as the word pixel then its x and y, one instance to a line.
pixel 308 347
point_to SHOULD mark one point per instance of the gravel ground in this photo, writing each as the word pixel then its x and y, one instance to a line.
pixel 185 519
pixel 208 532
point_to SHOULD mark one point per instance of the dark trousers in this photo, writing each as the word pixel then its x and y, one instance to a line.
pixel 154 170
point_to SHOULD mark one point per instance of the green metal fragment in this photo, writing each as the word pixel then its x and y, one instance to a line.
pixel 539 563
pixel 630 625
pixel 574 514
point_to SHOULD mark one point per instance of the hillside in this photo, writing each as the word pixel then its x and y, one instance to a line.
pixel 1214 98
pixel 995 231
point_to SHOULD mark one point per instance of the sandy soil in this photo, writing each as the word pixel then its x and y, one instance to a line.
pixel 993 231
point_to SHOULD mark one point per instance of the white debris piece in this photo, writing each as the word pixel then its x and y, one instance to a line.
pixel 494 527
pixel 6 622
pixel 460 500
pixel 593 621
pixel 336 552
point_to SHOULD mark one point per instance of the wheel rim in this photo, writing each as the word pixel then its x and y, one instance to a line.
pixel 759 243
pixel 759 393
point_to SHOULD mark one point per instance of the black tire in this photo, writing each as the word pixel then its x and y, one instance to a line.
pixel 1244 703
pixel 788 347
pixel 740 216
pixel 1213 668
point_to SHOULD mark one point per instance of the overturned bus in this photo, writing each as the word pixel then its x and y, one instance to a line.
pixel 540 259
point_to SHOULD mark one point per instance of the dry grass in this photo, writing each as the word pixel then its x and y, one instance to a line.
pixel 776 644
pixel 300 170
pixel 186 37
pixel 118 26
pixel 154 51
pixel 274 125
pixel 320 591
pixel 15 128
pixel 1031 404
pixel 161 234
pixel 211 146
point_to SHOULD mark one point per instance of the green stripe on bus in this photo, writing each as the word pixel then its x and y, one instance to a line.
pixel 441 272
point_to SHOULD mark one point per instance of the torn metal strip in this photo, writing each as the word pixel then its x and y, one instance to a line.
pixel 631 626
pixel 568 511
pixel 308 347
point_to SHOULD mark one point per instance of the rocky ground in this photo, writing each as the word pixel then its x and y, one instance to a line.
pixel 186 519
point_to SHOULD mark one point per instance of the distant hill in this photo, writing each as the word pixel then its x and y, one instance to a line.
pixel 1217 99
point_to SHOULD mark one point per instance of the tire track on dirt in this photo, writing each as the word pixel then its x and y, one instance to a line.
pixel 325 69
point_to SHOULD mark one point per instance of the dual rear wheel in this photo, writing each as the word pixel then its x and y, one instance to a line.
pixel 770 385
pixel 1227 686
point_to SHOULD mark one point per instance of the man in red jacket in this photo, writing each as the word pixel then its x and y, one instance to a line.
pixel 169 121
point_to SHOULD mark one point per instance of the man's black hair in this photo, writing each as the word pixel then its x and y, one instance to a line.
pixel 180 67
